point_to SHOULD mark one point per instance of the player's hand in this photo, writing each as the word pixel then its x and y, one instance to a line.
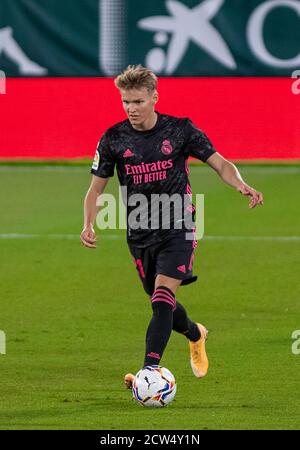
pixel 256 197
pixel 88 237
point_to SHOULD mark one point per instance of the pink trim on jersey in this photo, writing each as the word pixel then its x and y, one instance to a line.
pixel 194 236
pixel 191 261
pixel 194 245
pixel 138 263
pixel 187 167
pixel 188 189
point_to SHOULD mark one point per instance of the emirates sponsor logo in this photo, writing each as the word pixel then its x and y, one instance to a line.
pixel 166 147
pixel 149 172
pixel 148 167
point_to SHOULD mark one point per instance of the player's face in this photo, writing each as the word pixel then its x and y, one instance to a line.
pixel 138 104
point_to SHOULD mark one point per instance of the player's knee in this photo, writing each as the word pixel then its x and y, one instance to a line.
pixel 170 283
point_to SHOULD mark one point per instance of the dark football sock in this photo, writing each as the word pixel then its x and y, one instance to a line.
pixel 160 326
pixel 182 324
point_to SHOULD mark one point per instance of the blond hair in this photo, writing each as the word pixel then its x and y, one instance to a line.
pixel 136 77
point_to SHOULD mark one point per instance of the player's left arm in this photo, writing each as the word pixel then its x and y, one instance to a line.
pixel 230 175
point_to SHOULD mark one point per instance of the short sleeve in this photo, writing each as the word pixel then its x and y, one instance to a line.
pixel 197 143
pixel 104 161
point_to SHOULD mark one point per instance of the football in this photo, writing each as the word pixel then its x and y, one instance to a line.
pixel 154 386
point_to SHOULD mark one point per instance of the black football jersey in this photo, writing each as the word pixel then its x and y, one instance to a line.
pixel 152 162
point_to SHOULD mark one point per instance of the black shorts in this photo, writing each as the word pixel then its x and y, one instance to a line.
pixel 172 257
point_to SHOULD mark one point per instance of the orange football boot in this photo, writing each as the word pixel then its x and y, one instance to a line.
pixel 199 360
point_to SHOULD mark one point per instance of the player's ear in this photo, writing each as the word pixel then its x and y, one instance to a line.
pixel 155 97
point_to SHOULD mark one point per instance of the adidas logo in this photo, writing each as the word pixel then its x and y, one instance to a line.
pixel 182 268
pixel 128 153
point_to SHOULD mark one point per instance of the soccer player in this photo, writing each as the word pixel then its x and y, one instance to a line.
pixel 150 151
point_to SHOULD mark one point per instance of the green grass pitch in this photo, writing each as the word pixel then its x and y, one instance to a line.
pixel 75 319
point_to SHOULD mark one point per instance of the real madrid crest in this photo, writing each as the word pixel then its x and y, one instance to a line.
pixel 166 147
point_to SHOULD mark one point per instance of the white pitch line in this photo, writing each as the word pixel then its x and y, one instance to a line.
pixel 258 170
pixel 119 236
pixel 252 238
pixel 52 236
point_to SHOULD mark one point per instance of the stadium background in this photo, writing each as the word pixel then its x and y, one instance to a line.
pixel 237 83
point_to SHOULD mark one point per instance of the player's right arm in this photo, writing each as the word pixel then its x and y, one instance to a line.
pixel 88 235
pixel 102 170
